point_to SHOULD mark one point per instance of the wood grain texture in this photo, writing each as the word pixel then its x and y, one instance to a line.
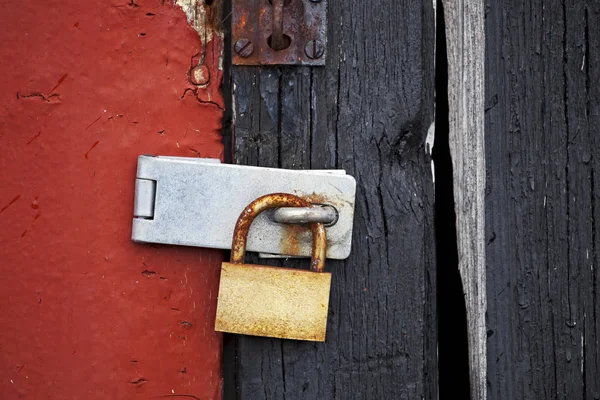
pixel 465 47
pixel 542 118
pixel 367 112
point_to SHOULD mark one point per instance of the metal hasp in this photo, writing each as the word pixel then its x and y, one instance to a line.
pixel 196 202
pixel 278 32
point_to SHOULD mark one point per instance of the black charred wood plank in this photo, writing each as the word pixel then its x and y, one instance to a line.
pixel 542 149
pixel 368 112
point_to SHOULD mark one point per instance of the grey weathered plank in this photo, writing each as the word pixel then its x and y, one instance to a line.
pixel 368 112
pixel 465 45
pixel 542 145
pixel 453 346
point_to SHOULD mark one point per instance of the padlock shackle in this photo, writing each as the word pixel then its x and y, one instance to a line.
pixel 275 200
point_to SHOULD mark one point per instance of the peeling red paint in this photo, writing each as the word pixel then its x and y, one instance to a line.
pixel 86 313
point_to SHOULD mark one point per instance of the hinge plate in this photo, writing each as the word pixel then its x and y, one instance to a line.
pixel 197 201
pixel 304 24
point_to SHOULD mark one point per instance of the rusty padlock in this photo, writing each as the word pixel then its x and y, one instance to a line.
pixel 277 302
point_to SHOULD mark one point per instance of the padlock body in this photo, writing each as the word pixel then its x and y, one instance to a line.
pixel 275 302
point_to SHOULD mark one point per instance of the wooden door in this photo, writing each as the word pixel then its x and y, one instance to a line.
pixel 86 313
pixel 368 111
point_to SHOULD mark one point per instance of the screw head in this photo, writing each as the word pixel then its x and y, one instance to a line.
pixel 200 75
pixel 314 49
pixel 244 47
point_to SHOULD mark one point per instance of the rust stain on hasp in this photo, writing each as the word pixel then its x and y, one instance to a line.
pixel 315 198
pixel 290 241
pixel 295 234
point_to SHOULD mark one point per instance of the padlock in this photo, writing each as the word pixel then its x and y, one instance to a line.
pixel 259 300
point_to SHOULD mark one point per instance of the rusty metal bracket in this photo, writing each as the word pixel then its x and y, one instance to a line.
pixel 279 32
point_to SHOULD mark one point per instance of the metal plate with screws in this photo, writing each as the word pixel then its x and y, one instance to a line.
pixel 301 25
pixel 196 202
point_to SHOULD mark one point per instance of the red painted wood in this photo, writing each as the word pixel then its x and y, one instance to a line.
pixel 86 314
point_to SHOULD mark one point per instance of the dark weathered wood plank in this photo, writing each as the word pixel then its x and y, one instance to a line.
pixel 591 300
pixel 541 142
pixel 256 116
pixel 368 112
pixel 295 118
